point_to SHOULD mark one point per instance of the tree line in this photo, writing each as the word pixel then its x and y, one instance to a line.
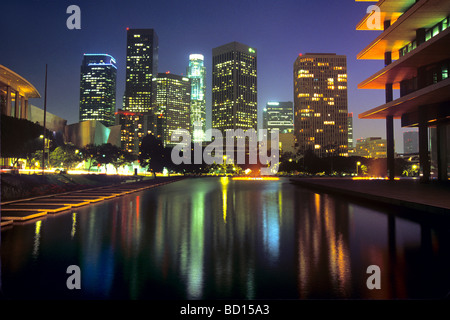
pixel 22 139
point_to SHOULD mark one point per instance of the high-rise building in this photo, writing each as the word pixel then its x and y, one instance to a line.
pixel 320 103
pixel 133 127
pixel 279 115
pixel 350 129
pixel 410 142
pixel 142 66
pixel 196 71
pixel 171 100
pixel 411 44
pixel 98 88
pixel 234 87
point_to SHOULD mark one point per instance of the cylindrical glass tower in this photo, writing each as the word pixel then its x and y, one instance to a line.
pixel 197 73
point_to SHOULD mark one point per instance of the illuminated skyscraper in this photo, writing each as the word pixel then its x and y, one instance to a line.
pixel 98 88
pixel 320 103
pixel 172 100
pixel 279 115
pixel 234 87
pixel 142 66
pixel 197 73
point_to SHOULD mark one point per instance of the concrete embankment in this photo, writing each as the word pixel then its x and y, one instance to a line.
pixel 432 197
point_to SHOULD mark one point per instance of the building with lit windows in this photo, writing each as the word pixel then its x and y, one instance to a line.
pixel 372 147
pixel 234 87
pixel 279 115
pixel 413 47
pixel 134 126
pixel 98 88
pixel 172 105
pixel 320 103
pixel 141 67
pixel 196 72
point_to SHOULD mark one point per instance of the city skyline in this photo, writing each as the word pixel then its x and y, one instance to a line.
pixel 276 39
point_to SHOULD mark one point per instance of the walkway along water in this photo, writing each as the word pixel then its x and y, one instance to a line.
pixel 27 209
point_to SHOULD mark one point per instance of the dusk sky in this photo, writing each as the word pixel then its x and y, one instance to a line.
pixel 34 33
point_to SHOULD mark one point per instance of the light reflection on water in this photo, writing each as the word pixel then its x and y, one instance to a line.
pixel 216 238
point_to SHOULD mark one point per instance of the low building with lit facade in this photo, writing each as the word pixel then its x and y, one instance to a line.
pixel 372 147
pixel 320 103
pixel 171 105
pixel 413 46
pixel 279 115
pixel 98 88
pixel 234 87
pixel 15 91
pixel 196 72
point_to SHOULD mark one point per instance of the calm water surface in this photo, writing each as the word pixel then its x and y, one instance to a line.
pixel 215 238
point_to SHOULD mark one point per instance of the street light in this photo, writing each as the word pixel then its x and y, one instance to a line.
pixel 357 165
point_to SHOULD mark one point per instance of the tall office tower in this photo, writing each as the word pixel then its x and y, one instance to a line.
pixel 279 115
pixel 142 66
pixel 320 103
pixel 196 71
pixel 98 88
pixel 234 87
pixel 410 142
pixel 172 105
pixel 350 129
pixel 411 44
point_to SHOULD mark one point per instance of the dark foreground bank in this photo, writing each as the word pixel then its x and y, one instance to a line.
pixel 18 186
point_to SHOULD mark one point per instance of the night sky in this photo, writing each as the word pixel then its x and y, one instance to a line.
pixel 34 33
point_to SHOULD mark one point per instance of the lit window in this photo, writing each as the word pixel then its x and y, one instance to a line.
pixel 444 72
pixel 444 24
pixel 435 30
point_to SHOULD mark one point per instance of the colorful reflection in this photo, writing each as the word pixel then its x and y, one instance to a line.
pixel 218 238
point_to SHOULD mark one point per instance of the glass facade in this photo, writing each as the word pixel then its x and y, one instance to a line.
pixel 172 105
pixel 320 103
pixel 196 72
pixel 410 142
pixel 98 88
pixel 142 66
pixel 234 87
